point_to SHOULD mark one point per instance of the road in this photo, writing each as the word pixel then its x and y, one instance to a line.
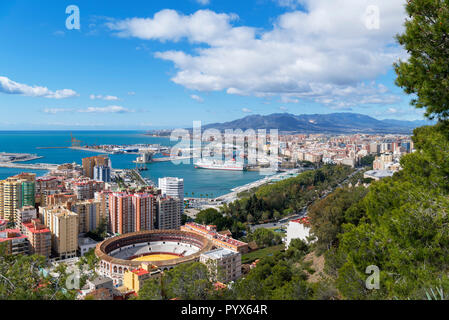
pixel 284 222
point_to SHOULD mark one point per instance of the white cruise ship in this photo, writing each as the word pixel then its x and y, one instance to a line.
pixel 230 165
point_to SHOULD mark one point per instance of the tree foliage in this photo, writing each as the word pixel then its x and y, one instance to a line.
pixel 426 73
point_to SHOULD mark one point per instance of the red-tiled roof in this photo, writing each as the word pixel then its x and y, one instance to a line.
pixel 11 234
pixel 304 220
pixel 32 228
pixel 140 272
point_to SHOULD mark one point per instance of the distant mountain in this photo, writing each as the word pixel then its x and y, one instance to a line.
pixel 321 123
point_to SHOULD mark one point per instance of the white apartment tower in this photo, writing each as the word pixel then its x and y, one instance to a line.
pixel 174 188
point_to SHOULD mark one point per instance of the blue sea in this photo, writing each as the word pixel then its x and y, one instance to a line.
pixel 196 181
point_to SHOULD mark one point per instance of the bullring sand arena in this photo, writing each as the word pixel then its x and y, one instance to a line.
pixel 163 249
pixel 156 257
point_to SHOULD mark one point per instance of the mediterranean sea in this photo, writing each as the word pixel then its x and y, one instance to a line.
pixel 197 182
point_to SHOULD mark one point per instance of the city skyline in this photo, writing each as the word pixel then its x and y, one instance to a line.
pixel 163 65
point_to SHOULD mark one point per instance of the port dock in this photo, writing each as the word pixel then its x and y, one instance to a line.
pixel 34 166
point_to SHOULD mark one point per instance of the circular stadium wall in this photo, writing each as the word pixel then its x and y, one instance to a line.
pixel 164 249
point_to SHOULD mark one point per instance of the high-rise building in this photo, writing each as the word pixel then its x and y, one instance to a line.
pixel 102 173
pixel 11 193
pixel 16 192
pixel 131 212
pixel 39 237
pixel 89 215
pixel 90 163
pixel 24 215
pixel 169 213
pixel 63 225
pixel 103 198
pixel 172 187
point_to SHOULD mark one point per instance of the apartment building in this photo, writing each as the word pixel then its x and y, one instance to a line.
pixel 172 187
pixel 89 213
pixel 90 163
pixel 169 213
pixel 39 237
pixel 24 215
pixel 63 225
pixel 131 212
pixel 16 192
pixel 16 242
pixel 224 265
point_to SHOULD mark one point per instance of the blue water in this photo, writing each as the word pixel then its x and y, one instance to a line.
pixel 212 183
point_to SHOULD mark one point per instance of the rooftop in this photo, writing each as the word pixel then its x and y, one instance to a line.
pixel 140 272
pixel 304 220
pixel 220 253
pixel 100 281
pixel 380 173
pixel 36 228
pixel 11 234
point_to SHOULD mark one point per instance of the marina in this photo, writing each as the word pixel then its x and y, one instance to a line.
pixel 198 182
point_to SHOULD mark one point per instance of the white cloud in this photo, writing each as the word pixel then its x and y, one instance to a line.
pixel 109 109
pixel 246 110
pixel 292 4
pixel 11 87
pixel 321 54
pixel 203 2
pixel 282 108
pixel 202 26
pixel 131 93
pixel 57 110
pixel 101 97
pixel 197 98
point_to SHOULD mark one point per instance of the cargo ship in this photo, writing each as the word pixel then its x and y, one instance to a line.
pixel 230 165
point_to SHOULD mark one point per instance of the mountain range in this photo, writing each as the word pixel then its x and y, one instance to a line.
pixel 334 123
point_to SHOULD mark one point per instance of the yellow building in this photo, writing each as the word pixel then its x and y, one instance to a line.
pixel 63 225
pixel 89 213
pixel 10 197
pixel 16 192
pixel 134 280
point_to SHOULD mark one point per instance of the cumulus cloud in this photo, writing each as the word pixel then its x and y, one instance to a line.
pixel 101 97
pixel 325 53
pixel 246 110
pixel 11 87
pixel 203 2
pixel 197 98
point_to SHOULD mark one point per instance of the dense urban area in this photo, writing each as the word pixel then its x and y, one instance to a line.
pixel 346 217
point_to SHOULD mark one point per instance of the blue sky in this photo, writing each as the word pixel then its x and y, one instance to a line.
pixel 156 64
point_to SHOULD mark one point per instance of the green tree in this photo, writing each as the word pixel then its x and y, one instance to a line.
pixel 426 73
